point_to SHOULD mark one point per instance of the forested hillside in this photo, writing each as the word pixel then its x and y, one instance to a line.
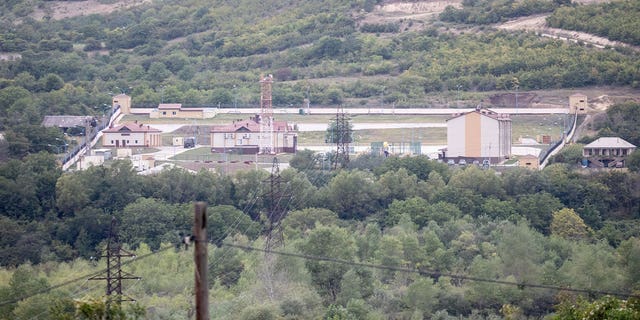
pixel 555 227
pixel 616 20
pixel 416 239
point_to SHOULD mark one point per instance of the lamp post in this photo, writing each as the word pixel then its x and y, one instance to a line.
pixel 124 90
pixel 308 100
pixel 516 85
pixel 64 144
pixel 458 94
pixel 235 99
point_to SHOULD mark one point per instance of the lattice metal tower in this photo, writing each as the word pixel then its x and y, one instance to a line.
pixel 266 115
pixel 114 274
pixel 277 208
pixel 342 138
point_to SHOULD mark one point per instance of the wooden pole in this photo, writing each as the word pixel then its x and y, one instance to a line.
pixel 200 256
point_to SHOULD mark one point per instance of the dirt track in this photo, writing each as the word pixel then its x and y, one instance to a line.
pixel 537 24
pixel 57 10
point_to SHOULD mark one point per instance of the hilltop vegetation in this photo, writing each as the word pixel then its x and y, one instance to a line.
pixel 616 20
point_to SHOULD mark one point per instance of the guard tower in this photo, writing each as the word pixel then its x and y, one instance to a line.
pixel 122 100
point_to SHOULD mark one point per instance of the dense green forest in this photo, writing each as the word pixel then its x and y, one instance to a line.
pixel 615 20
pixel 557 227
pixel 493 11
pixel 432 226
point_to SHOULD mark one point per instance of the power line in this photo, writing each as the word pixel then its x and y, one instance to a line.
pixel 66 283
pixel 432 273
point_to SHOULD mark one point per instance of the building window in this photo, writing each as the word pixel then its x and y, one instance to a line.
pixel 174 113
pixel 127 141
pixel 164 113
pixel 135 141
pixel 111 141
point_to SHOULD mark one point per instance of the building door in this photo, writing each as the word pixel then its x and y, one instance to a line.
pixel 117 143
pixel 124 143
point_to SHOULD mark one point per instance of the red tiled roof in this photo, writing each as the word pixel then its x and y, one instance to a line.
pixel 132 127
pixel 251 126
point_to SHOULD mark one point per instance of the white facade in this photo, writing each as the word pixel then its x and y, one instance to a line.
pixel 479 134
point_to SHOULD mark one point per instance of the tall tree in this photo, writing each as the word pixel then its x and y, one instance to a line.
pixel 567 223
pixel 332 242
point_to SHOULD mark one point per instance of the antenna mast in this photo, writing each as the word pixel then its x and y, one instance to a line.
pixel 266 115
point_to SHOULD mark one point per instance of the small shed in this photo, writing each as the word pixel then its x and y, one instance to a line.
pixel 529 161
pixel 177 141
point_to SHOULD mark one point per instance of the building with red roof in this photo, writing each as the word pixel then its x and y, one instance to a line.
pixel 131 135
pixel 244 137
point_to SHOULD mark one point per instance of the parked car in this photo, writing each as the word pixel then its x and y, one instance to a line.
pixel 189 142
pixel 462 162
pixel 451 162
pixel 486 163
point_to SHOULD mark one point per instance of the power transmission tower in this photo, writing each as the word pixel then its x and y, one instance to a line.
pixel 275 238
pixel 277 211
pixel 114 274
pixel 342 138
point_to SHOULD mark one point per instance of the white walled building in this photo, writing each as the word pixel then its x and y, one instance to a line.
pixel 479 134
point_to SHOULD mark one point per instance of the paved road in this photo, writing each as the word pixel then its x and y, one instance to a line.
pixel 305 127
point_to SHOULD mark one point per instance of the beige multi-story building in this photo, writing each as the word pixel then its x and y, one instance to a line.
pixel 244 137
pixel 481 134
pixel 131 135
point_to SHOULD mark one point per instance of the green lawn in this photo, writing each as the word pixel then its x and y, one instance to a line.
pixel 529 126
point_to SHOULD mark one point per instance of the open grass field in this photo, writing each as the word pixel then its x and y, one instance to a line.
pixel 523 126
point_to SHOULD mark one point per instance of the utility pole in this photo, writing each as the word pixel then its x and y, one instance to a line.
pixel 114 274
pixel 200 257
